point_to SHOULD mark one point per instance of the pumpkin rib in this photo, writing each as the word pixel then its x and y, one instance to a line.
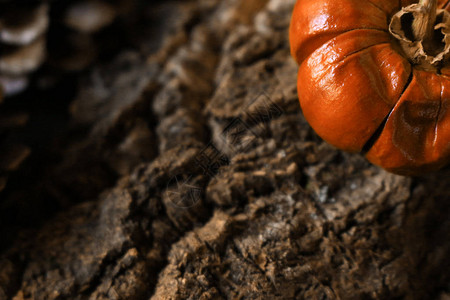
pixel 410 144
pixel 332 36
pixel 356 52
pixel 439 113
pixel 330 104
pixel 381 9
pixel 380 128
pixel 305 57
pixel 340 39
pixel 376 6
pixel 408 83
pixel 374 138
pixel 315 22
pixel 444 118
pixel 446 4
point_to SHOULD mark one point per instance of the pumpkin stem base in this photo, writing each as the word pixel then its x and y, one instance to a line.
pixel 423 31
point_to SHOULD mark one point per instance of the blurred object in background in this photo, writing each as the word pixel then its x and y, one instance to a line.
pixel 12 153
pixel 23 28
pixel 67 35
pixel 77 34
pixel 89 16
pixel 43 43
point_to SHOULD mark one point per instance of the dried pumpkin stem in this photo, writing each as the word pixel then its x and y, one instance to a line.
pixel 423 32
pixel 423 25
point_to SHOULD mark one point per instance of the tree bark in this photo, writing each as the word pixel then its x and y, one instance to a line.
pixel 195 176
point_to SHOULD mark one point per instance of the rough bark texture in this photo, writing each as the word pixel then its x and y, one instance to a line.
pixel 187 171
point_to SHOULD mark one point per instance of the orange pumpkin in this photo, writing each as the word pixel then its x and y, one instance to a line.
pixel 374 77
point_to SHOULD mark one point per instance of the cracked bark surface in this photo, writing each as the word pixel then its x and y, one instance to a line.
pixel 129 210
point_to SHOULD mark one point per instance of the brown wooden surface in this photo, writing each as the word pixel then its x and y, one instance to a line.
pixel 188 172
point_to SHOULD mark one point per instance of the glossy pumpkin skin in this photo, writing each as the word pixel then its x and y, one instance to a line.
pixel 360 93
